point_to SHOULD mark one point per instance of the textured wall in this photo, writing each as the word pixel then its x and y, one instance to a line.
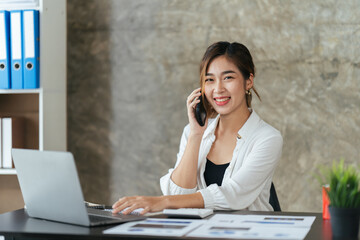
pixel 131 65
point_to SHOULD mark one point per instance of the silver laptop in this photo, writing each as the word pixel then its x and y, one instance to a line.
pixel 51 189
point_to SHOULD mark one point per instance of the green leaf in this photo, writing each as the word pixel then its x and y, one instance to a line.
pixel 344 184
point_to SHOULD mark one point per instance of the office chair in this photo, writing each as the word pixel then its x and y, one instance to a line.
pixel 274 201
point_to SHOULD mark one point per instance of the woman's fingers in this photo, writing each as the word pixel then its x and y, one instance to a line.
pixel 121 204
pixel 192 100
pixel 196 90
pixel 119 208
pixel 118 202
pixel 127 205
pixel 193 95
pixel 146 210
pixel 131 208
pixel 194 103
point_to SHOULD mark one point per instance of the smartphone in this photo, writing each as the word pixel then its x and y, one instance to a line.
pixel 200 112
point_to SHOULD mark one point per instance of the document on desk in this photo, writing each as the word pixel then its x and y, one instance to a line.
pixel 262 220
pixel 255 227
pixel 156 227
pixel 247 231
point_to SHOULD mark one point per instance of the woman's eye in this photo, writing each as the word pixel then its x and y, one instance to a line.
pixel 208 80
pixel 228 77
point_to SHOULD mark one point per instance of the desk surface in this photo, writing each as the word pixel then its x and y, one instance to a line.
pixel 17 224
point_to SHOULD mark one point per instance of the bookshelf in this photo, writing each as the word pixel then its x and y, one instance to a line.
pixel 44 109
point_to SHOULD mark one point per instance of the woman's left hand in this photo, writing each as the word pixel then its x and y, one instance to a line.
pixel 149 204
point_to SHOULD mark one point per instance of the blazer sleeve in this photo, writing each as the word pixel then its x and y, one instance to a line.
pixel 241 190
pixel 168 187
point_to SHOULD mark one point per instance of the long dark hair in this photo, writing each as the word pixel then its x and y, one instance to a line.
pixel 238 54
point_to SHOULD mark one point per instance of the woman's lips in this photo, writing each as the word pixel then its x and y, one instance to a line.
pixel 221 101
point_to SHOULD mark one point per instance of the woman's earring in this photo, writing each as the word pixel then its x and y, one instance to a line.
pixel 248 98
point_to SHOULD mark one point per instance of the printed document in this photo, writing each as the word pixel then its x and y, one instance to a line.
pixel 255 227
pixel 156 227
pixel 264 220
pixel 242 231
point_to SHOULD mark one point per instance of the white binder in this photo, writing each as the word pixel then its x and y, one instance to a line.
pixel 31 60
pixel 16 49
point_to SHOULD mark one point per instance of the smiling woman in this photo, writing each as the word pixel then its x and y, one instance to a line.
pixel 229 162
pixel 241 65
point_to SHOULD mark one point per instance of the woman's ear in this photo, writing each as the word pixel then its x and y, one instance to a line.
pixel 250 82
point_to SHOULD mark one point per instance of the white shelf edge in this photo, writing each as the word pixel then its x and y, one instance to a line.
pixel 11 8
pixel 4 171
pixel 20 91
pixel 19 5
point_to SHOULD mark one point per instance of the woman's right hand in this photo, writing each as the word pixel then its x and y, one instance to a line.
pixel 191 102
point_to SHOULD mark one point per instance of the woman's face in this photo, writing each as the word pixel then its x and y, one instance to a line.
pixel 224 86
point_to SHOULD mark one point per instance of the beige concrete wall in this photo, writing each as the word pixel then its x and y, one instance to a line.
pixel 131 65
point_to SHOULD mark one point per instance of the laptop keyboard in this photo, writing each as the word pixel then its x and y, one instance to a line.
pixel 106 215
pixel 96 219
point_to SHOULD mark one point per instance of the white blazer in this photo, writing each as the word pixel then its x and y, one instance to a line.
pixel 247 179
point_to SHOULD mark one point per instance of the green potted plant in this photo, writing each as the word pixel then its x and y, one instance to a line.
pixel 344 195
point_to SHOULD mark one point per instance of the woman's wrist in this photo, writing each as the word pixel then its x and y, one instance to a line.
pixel 166 201
pixel 195 136
pixel 194 200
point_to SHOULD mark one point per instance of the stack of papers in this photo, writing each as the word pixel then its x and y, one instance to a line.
pixel 222 226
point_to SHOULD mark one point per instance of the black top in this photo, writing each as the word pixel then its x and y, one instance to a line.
pixel 214 173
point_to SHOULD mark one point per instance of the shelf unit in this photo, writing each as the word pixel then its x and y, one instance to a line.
pixel 45 108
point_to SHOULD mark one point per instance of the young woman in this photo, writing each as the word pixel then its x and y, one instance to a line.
pixel 230 161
